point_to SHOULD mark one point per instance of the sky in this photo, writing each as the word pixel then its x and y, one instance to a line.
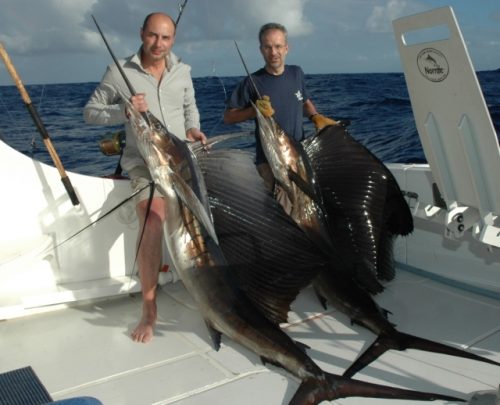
pixel 56 41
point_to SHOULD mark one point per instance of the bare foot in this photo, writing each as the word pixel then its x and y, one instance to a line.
pixel 143 332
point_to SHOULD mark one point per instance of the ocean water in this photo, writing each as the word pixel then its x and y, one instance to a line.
pixel 377 105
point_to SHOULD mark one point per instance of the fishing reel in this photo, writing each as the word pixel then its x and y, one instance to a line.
pixel 113 144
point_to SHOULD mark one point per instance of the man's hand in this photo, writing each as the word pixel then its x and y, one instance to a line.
pixel 139 102
pixel 264 106
pixel 320 121
pixel 194 134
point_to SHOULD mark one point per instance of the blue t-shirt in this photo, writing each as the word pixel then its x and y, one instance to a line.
pixel 287 93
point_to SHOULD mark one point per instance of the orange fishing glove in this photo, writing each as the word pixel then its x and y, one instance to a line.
pixel 320 121
pixel 264 106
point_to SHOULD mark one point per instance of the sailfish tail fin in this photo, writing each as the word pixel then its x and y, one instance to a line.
pixel 376 349
pixel 402 341
pixel 415 342
pixel 314 391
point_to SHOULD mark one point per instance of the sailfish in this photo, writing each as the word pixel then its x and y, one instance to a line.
pixel 350 205
pixel 292 172
pixel 365 211
pixel 368 211
pixel 357 221
pixel 257 237
pixel 221 288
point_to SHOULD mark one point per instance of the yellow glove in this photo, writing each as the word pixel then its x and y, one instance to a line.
pixel 264 106
pixel 320 121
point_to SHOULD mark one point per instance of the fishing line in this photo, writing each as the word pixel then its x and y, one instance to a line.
pixel 225 98
pixel 41 98
pixel 50 249
pixel 221 82
pixel 11 117
pixel 5 107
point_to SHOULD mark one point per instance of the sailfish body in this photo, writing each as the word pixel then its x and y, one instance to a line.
pixel 364 204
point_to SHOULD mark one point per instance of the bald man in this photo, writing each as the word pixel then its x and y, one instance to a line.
pixel 165 88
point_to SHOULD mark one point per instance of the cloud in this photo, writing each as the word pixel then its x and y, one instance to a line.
pixel 43 27
pixel 208 19
pixel 380 20
pixel 60 26
pixel 241 19
pixel 56 40
pixel 287 12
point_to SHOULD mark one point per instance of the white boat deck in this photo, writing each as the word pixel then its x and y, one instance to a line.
pixel 86 349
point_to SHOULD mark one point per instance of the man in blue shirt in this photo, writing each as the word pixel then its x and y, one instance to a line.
pixel 282 84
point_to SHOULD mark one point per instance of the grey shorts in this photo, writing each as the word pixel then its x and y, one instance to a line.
pixel 140 179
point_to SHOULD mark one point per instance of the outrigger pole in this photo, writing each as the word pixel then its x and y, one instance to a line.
pixel 40 126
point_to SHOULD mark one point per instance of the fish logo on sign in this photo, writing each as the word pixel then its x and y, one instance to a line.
pixel 433 64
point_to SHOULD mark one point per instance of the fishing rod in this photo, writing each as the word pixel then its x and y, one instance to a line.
pixel 221 119
pixel 248 72
pixel 40 126
pixel 181 10
pixel 124 76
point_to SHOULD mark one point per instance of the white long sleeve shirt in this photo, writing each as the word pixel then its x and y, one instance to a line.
pixel 172 101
